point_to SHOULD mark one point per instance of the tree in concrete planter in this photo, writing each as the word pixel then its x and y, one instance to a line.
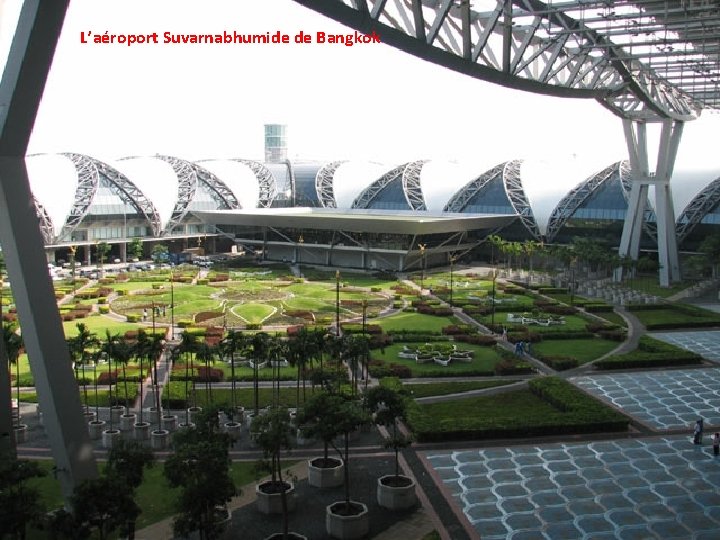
pixel 200 467
pixel 13 345
pixel 20 504
pixel 104 504
pixel 273 433
pixel 320 418
pixel 388 407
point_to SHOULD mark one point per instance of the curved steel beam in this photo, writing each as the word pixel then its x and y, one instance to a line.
pixel 516 194
pixel 649 220
pixel 266 182
pixel 459 201
pixel 123 187
pixel 367 196
pixel 88 183
pixel 411 185
pixel 219 190
pixel 324 184
pixel 578 196
pixel 696 210
pixel 46 225
pixel 550 53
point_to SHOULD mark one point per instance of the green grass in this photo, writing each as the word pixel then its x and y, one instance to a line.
pixel 244 396
pixel 680 315
pixel 583 350
pixel 446 388
pixel 98 325
pixel 254 313
pixel 484 360
pixel 416 322
pixel 650 285
pixel 613 318
pixel 573 323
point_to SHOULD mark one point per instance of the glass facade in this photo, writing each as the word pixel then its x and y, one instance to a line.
pixel 275 143
pixel 491 199
pixel 305 192
pixel 391 197
pixel 283 184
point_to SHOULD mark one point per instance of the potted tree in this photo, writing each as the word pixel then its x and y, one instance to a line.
pixel 273 433
pixel 320 420
pixel 348 519
pixel 395 491
pixel 80 346
pixel 200 466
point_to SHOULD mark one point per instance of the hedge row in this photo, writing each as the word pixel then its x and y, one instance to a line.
pixel 558 363
pixel 638 359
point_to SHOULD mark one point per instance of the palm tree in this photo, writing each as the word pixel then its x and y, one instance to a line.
pixel 110 347
pixel 205 353
pixel 260 347
pixel 188 345
pixel 80 346
pixel 142 351
pixel 13 347
pixel 234 342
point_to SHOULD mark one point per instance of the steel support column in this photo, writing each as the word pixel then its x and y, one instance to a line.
pixel 21 88
pixel 642 178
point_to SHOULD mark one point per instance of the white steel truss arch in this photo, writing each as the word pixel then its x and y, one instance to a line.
pixel 219 191
pixel 267 185
pixel 87 186
pixel 324 184
pixel 369 194
pixel 642 60
pixel 509 174
pixel 46 225
pixel 702 204
pixel 411 185
pixel 123 187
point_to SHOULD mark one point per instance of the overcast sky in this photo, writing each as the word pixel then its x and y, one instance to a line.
pixel 368 102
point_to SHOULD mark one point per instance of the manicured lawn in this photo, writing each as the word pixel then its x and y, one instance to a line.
pixel 484 361
pixel 244 396
pixel 254 313
pixel 680 315
pixel 446 388
pixel 415 322
pixel 98 324
pixel 613 318
pixel 573 323
pixel 583 350
pixel 650 285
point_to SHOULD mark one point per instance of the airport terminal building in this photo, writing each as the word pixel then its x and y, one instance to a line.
pixel 338 213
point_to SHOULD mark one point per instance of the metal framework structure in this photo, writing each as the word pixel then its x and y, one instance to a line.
pixel 266 182
pixel 369 194
pixel 46 225
pixel 324 184
pixel 87 186
pixel 643 59
pixel 509 174
pixel 411 185
pixel 702 204
pixel 584 191
pixel 128 192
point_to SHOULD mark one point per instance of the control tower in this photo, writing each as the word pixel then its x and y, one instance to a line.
pixel 275 143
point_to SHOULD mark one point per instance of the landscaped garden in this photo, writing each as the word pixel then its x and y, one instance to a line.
pixel 669 316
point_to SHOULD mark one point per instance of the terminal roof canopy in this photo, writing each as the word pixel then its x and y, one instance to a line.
pixel 375 221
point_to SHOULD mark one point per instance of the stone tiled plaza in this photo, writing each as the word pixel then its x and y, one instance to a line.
pixel 705 343
pixel 661 399
pixel 662 487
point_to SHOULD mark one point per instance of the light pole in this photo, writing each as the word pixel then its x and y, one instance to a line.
pixel 452 262
pixel 172 305
pixel 492 317
pixel 573 262
pixel 422 266
pixel 337 303
pixel 364 332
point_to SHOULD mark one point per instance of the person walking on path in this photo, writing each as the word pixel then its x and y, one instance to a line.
pixel 716 444
pixel 697 433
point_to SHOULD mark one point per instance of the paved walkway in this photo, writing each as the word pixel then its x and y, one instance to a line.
pixel 704 342
pixel 659 488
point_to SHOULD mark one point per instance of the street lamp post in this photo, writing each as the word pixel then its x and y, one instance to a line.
pixel 365 336
pixel 172 305
pixel 452 263
pixel 422 266
pixel 572 281
pixel 337 303
pixel 492 317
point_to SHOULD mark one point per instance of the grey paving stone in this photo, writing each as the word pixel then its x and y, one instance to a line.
pixel 622 518
pixel 491 527
pixel 469 456
pixel 476 482
pixel 613 501
pixel 629 482
pixel 511 490
pixel 670 529
pixel 500 465
pixel 472 469
pixel 523 521
pixel 484 512
pixel 642 496
pixel 585 508
pixel 621 469
pixel 528 460
pixel 547 498
pixel 447 474
pixel 635 533
pixel 560 531
pixel 478 496
pixel 707 498
pixel 527 535
pixel 561 466
pixel 594 524
pixel 595 473
pixel 568 479
pixel 576 493
pixel 654 511
pixel 510 506
pixel 588 462
pixel 533 471
pixel 698 521
pixel 555 514
pixel 540 484
pixel 504 477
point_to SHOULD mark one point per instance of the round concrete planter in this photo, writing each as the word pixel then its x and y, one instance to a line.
pixel 110 437
pixel 233 429
pixel 325 475
pixel 127 421
pixel 290 536
pixel 183 425
pixel 347 527
pixel 142 431
pixel 396 493
pixel 20 431
pixel 89 416
pixel 269 499
pixel 239 414
pixel 193 412
pixel 159 439
pixel 95 428
pixel 116 412
pixel 169 422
